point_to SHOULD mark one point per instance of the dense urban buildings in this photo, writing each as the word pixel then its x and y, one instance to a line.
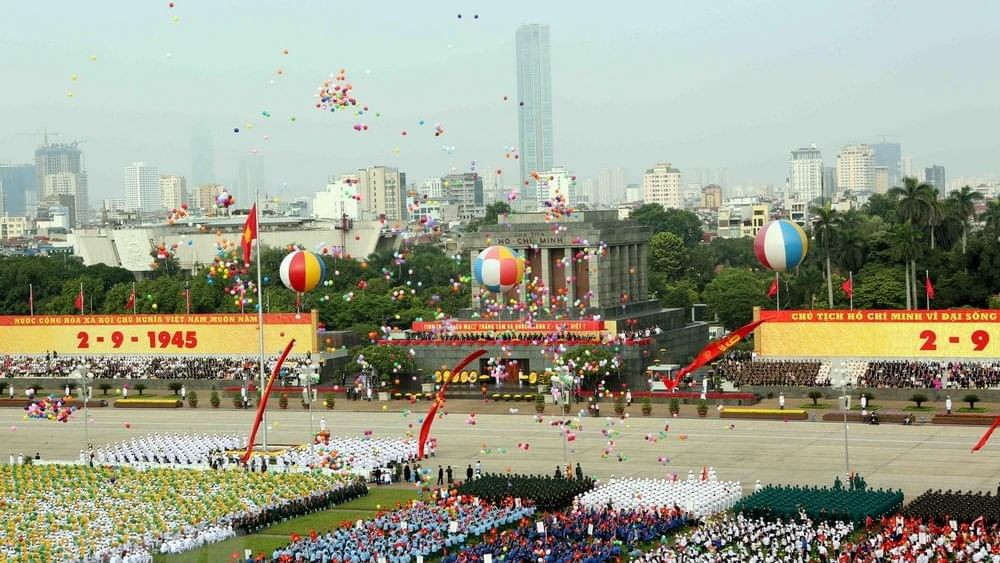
pixel 711 197
pixel 662 184
pixel 466 191
pixel 889 155
pixel 17 188
pixel 856 168
pixel 534 95
pixel 60 171
pixel 555 184
pixel 383 193
pixel 611 184
pixel 805 173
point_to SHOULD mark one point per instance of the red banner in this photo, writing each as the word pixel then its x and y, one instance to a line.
pixel 710 352
pixel 425 428
pixel 886 316
pixel 512 326
pixel 263 400
pixel 986 436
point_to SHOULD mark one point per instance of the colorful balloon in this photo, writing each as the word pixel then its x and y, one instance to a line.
pixel 498 269
pixel 781 245
pixel 302 271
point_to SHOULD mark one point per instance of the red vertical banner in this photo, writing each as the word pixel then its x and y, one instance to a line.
pixel 263 400
pixel 425 428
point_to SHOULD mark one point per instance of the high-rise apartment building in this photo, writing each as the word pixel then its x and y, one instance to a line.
pixel 466 191
pixel 934 176
pixel 611 186
pixel 383 193
pixel 431 189
pixel 553 185
pixel 805 174
pixel 203 198
pixel 66 161
pixel 890 156
pixel 711 197
pixel 17 184
pixel 534 95
pixel 662 184
pixel 142 187
pixel 829 181
pixel 882 182
pixel 202 156
pixel 340 198
pixel 856 168
pixel 173 191
pixel 908 169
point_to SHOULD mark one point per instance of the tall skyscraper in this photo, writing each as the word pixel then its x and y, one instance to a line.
pixel 935 177
pixel 202 156
pixel 142 188
pixel 829 181
pixel 908 169
pixel 611 186
pixel 59 171
pixel 534 94
pixel 856 168
pixel 805 174
pixel 173 191
pixel 17 181
pixel 249 181
pixel 890 156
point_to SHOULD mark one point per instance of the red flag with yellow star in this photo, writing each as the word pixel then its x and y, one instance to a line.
pixel 249 233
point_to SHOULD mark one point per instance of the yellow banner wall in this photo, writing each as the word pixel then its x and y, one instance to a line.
pixel 941 334
pixel 226 334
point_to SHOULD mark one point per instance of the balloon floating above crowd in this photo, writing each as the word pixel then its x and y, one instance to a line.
pixel 498 268
pixel 302 271
pixel 781 245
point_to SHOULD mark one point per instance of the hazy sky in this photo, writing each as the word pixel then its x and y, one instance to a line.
pixel 715 84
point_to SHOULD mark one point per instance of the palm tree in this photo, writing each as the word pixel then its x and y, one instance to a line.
pixel 825 222
pixel 964 202
pixel 850 248
pixel 905 240
pixel 991 219
pixel 935 210
pixel 912 198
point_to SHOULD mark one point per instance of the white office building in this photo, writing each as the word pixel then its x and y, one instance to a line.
pixel 856 168
pixel 805 174
pixel 142 187
pixel 662 184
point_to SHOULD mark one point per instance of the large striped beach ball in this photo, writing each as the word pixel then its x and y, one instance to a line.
pixel 498 268
pixel 301 271
pixel 781 245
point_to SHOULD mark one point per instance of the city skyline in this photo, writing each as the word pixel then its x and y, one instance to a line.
pixel 723 87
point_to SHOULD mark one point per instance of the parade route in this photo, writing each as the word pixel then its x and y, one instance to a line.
pixel 914 458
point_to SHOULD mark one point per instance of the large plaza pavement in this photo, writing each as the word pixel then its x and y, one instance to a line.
pixel 912 458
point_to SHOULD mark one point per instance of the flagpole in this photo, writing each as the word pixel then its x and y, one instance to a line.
pixel 777 280
pixel 260 314
pixel 31 300
pixel 81 298
pixel 927 294
pixel 133 299
pixel 850 276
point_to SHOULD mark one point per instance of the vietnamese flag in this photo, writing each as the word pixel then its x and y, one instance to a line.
pixel 929 287
pixel 713 350
pixel 773 290
pixel 848 287
pixel 249 233
pixel 79 300
pixel 131 300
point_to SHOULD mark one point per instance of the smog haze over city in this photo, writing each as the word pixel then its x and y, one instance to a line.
pixel 730 86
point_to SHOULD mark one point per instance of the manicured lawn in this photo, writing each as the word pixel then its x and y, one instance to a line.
pixel 914 408
pixel 816 406
pixel 856 407
pixel 977 409
pixel 278 535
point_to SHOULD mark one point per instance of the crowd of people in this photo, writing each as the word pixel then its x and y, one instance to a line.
pixel 546 492
pixel 563 336
pixel 72 512
pixel 931 375
pixel 741 370
pixel 937 507
pixel 697 497
pixel 166 449
pixel 578 535
pixel 741 539
pixel 134 366
pixel 402 535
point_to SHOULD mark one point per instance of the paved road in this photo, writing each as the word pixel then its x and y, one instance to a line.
pixel 911 458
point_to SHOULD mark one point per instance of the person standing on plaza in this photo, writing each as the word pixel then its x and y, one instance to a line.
pixel 440 476
pixel 628 397
pixel 781 401
pixel 947 405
